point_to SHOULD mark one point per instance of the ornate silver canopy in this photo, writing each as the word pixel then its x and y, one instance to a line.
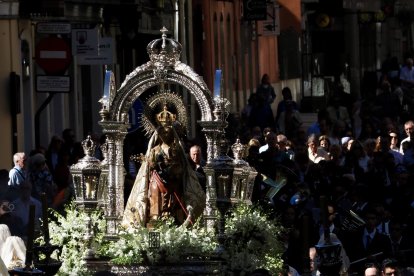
pixel 163 69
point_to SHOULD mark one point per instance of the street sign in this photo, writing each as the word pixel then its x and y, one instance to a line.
pixel 53 55
pixel 105 55
pixel 53 28
pixel 254 9
pixel 85 40
pixel 59 84
pixel 271 26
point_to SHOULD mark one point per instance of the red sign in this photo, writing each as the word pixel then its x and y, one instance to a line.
pixel 53 55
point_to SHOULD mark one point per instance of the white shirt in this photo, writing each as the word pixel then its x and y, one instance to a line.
pixel 318 156
pixel 263 148
pixel 406 139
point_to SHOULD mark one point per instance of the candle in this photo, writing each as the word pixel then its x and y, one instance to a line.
pixel 30 236
pixel 45 218
pixel 217 83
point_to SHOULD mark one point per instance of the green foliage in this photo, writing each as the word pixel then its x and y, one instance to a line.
pixel 252 242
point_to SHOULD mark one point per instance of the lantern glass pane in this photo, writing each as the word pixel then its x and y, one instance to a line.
pixel 78 186
pixel 90 182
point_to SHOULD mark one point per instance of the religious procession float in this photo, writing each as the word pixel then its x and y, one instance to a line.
pixel 169 225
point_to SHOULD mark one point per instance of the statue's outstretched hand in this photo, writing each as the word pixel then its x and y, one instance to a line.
pixel 189 220
pixel 139 158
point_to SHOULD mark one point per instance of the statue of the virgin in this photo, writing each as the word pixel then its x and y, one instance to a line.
pixel 166 186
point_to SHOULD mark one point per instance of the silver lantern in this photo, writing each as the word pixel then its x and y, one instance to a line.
pixel 86 177
pixel 232 181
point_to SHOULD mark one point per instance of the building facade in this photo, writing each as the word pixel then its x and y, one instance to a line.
pixel 305 45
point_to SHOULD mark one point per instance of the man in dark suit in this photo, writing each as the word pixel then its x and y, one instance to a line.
pixel 367 244
pixel 197 161
pixel 401 243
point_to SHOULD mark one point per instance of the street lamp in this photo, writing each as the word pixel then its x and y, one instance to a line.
pixel 86 177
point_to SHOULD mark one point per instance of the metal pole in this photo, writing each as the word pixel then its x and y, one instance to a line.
pixel 305 241
pixel 37 118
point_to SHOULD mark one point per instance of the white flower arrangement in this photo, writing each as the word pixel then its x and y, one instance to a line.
pixel 252 242
pixel 175 245
pixel 68 231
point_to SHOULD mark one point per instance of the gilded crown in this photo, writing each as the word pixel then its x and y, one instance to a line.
pixel 165 117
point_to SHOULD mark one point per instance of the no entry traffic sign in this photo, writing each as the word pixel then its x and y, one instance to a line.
pixel 53 55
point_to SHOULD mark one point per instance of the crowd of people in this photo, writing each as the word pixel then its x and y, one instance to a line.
pixel 358 157
pixel 350 173
pixel 41 178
